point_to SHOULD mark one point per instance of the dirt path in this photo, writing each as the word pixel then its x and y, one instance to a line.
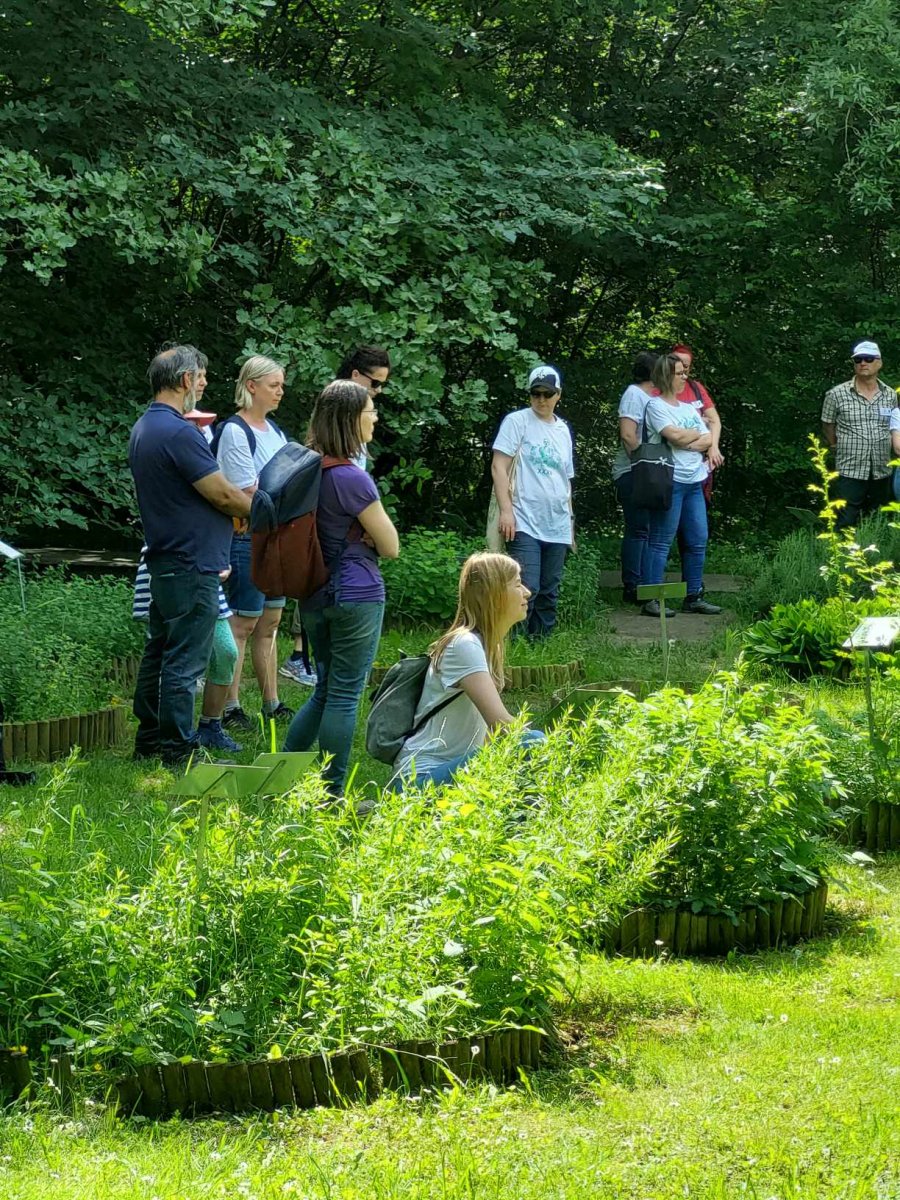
pixel 629 625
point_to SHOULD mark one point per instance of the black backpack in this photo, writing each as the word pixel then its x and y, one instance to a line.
pixel 392 717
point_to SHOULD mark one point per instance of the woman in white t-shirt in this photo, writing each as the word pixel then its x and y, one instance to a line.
pixel 536 515
pixel 636 537
pixel 243 445
pixel 467 664
pixel 679 424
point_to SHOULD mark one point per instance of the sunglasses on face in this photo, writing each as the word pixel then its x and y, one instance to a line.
pixel 866 358
pixel 377 385
pixel 540 394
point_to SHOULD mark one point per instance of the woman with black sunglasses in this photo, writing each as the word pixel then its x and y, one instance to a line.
pixel 532 471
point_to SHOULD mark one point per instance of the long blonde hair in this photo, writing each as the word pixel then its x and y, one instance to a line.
pixel 482 601
pixel 257 366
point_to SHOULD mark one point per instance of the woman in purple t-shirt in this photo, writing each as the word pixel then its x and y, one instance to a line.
pixel 343 618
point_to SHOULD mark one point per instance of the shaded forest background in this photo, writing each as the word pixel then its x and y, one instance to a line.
pixel 475 186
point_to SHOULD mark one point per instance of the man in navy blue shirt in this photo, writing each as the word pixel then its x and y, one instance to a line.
pixel 186 506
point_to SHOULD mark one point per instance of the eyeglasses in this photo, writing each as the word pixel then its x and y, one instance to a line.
pixel 370 412
pixel 377 385
pixel 866 358
pixel 540 394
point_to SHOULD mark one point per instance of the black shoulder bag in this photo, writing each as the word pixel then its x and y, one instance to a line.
pixel 652 474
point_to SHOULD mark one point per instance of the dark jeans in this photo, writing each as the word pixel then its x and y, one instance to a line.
pixel 344 640
pixel 687 515
pixel 636 539
pixel 542 567
pixel 183 608
pixel 862 495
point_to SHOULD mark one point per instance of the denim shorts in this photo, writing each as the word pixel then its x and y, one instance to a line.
pixel 244 597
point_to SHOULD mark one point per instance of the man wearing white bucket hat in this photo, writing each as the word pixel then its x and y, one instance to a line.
pixel 856 422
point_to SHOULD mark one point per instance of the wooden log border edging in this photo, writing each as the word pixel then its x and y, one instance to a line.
pixel 546 677
pixel 876 828
pixel 44 741
pixel 123 672
pixel 646 933
pixel 15 1074
pixel 328 1080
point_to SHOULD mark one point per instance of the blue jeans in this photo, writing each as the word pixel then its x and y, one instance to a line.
pixel 636 539
pixel 184 606
pixel 896 482
pixel 542 567
pixel 444 772
pixel 344 640
pixel 687 515
pixel 244 597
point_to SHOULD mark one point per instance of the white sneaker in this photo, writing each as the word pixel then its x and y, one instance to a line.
pixel 294 670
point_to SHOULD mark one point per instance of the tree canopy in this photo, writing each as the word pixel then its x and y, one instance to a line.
pixel 476 187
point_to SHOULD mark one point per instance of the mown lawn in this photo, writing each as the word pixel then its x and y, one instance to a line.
pixel 773 1075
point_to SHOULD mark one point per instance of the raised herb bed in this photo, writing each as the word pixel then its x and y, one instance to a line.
pixel 647 932
pixel 44 741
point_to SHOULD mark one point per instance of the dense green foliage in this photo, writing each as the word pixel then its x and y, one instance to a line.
pixel 740 779
pixel 473 188
pixel 56 656
pixel 806 638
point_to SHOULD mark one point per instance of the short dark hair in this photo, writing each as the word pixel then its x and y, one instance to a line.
pixel 334 424
pixel 201 357
pixel 643 367
pixel 363 359
pixel 169 366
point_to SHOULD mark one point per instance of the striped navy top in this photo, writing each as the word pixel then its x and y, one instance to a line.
pixel 140 609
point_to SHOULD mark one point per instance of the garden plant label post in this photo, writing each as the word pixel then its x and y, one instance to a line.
pixel 663 592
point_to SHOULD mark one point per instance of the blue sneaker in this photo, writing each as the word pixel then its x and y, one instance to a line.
pixel 214 737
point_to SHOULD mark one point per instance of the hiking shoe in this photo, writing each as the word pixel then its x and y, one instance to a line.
pixel 629 596
pixel 294 670
pixel 214 737
pixel 696 604
pixel 281 713
pixel 236 718
pixel 651 609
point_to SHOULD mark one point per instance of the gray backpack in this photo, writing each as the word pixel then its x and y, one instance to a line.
pixel 392 717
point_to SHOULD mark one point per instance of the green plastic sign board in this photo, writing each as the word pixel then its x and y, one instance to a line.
pixel 662 591
pixel 268 775
pixel 286 768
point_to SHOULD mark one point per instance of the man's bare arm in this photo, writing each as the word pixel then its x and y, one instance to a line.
pixel 223 495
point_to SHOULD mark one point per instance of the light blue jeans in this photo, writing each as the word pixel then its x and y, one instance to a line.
pixel 687 513
pixel 344 640
pixel 443 773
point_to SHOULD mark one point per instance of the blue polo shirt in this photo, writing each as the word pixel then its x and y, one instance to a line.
pixel 167 456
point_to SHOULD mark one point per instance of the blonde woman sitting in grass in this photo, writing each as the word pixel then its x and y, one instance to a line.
pixel 467 664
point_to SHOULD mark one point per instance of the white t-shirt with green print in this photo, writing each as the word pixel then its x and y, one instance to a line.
pixel 541 504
